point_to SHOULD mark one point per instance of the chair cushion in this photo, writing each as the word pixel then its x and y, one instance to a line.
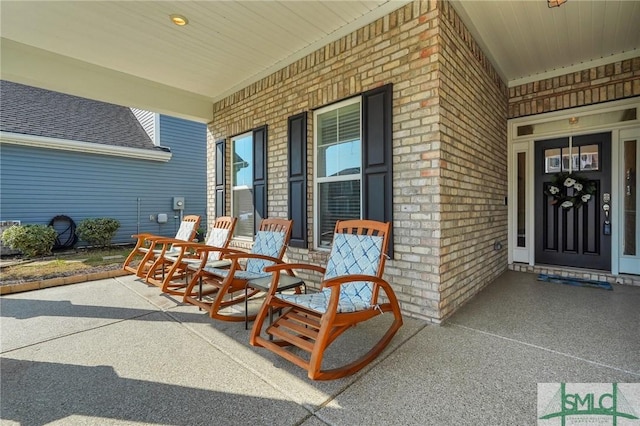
pixel 350 255
pixel 268 243
pixel 319 301
pixel 217 238
pixel 354 254
pixel 172 251
pixel 185 231
pixel 243 275
pixel 194 264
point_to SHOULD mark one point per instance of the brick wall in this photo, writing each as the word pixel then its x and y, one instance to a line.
pixel 473 166
pixel 403 48
pixel 614 81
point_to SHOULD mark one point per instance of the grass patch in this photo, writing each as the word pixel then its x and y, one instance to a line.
pixel 66 264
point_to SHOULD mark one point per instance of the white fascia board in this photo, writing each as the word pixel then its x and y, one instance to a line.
pixel 84 147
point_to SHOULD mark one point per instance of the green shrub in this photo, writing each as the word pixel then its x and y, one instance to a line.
pixel 97 231
pixel 31 240
pixel 201 234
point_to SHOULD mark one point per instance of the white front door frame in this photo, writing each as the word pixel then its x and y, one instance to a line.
pixel 522 133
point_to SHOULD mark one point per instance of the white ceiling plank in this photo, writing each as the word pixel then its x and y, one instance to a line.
pixel 230 44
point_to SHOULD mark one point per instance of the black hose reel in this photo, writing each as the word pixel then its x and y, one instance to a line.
pixel 66 229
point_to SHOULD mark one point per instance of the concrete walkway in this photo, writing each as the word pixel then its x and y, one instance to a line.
pixel 116 351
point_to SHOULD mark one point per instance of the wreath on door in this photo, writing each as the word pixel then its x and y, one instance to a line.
pixel 570 190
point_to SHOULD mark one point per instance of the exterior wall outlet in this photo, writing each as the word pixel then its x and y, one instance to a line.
pixel 162 218
pixel 152 217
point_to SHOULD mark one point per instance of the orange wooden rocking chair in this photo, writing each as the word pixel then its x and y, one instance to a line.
pixel 226 287
pixel 172 271
pixel 349 295
pixel 148 249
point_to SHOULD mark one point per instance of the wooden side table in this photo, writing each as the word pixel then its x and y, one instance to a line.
pixel 286 282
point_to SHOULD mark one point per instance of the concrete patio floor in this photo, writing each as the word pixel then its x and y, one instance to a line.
pixel 117 351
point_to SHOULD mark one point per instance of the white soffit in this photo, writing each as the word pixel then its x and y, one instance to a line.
pixel 226 45
pixel 528 41
pixel 129 52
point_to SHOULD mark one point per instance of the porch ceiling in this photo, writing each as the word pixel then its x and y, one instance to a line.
pixel 129 53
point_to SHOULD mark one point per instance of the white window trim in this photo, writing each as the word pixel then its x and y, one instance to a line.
pixel 316 179
pixel 627 263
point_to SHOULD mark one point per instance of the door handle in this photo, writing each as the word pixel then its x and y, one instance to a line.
pixel 606 226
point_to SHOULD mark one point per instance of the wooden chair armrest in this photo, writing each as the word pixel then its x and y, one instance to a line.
pixel 294 266
pixel 344 279
pixel 142 238
pixel 152 237
pixel 334 285
pixel 201 247
pixel 167 240
pixel 243 255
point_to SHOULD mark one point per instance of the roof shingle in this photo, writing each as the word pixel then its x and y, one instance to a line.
pixel 33 111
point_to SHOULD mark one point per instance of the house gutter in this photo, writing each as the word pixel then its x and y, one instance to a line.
pixel 162 155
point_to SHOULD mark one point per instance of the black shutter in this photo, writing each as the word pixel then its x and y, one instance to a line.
pixel 259 175
pixel 377 158
pixel 297 177
pixel 220 186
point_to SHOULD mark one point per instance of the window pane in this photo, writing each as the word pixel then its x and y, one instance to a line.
pixel 242 186
pixel 243 210
pixel 242 159
pixel 566 125
pixel 337 201
pixel 522 169
pixel 552 160
pixel 630 197
pixel 341 159
pixel 339 147
pixel 589 157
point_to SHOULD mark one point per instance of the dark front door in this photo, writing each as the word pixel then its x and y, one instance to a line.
pixel 571 228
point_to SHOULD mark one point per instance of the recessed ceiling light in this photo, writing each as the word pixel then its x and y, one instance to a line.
pixel 179 20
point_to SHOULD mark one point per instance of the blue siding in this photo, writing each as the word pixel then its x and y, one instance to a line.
pixel 38 184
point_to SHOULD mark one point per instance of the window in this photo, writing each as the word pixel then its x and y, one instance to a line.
pixel 242 184
pixel 576 158
pixel 353 165
pixel 248 180
pixel 338 156
pixel 521 200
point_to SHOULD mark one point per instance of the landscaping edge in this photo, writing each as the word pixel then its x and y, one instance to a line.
pixel 54 282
